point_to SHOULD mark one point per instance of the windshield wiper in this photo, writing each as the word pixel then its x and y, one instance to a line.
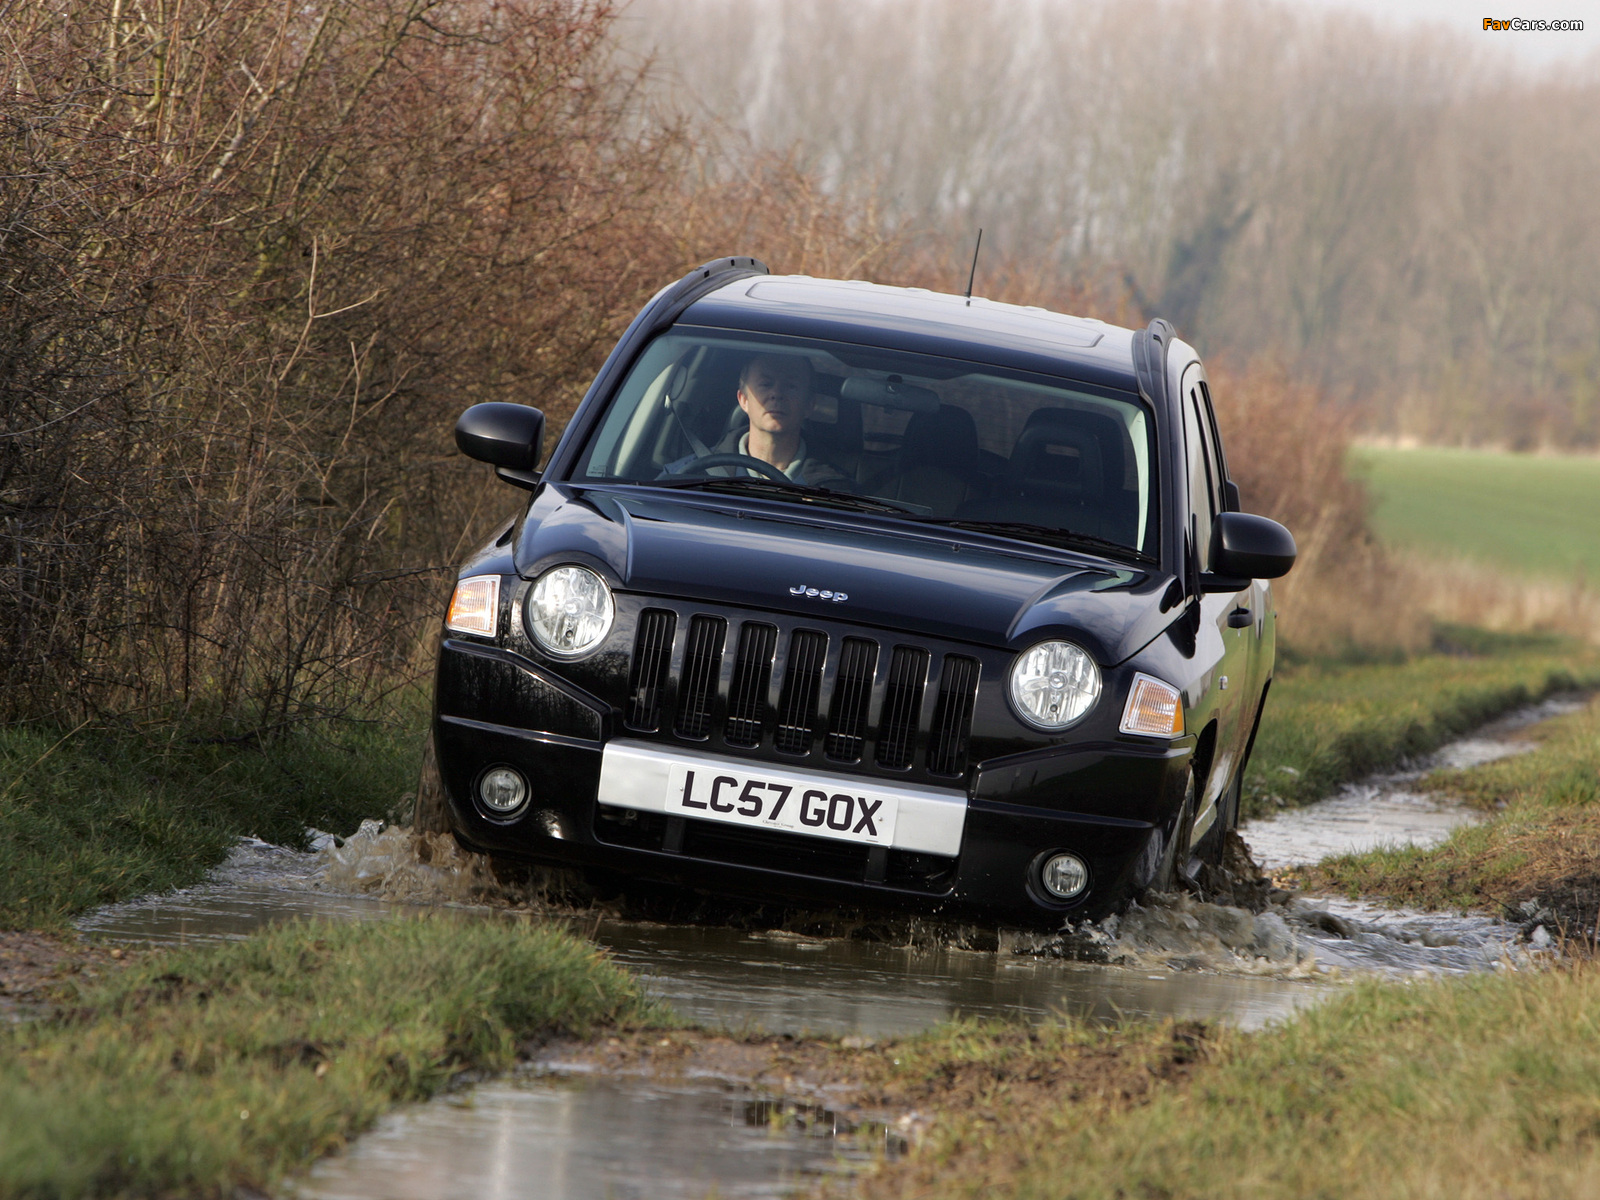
pixel 797 491
pixel 1048 535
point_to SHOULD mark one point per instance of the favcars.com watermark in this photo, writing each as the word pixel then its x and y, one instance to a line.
pixel 1525 25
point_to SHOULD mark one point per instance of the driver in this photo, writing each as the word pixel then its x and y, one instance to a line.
pixel 775 394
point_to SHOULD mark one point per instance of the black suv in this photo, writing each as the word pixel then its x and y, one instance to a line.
pixel 840 594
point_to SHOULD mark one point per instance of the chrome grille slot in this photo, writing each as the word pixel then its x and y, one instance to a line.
pixel 802 683
pixel 702 666
pixel 847 723
pixel 652 656
pixel 752 676
pixel 902 706
pixel 952 715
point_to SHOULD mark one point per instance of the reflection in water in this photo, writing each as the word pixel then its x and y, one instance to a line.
pixel 786 985
pixel 540 1139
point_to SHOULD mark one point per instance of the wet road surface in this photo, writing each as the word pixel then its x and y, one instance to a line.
pixel 538 1138
pixel 571 1139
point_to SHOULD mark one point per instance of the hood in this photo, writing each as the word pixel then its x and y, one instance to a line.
pixel 943 583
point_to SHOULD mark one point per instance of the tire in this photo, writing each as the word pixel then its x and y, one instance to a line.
pixel 1175 858
pixel 1211 846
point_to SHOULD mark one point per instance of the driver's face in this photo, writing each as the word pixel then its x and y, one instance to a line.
pixel 776 393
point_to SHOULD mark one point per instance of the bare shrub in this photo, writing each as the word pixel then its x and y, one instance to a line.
pixel 253 259
pixel 1288 450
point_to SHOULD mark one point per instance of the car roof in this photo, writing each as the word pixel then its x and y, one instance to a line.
pixel 922 321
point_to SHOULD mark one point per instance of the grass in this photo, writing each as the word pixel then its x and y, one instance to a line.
pixel 1542 843
pixel 101 814
pixel 1484 1087
pixel 1328 722
pixel 1529 514
pixel 208 1071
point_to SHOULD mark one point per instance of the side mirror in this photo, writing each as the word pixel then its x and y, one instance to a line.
pixel 1250 547
pixel 506 436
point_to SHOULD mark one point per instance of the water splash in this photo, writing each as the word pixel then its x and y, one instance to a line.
pixel 397 863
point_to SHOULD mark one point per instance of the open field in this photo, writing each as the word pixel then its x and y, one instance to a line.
pixel 1542 843
pixel 1524 513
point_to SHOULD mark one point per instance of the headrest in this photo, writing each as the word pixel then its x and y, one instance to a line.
pixel 947 437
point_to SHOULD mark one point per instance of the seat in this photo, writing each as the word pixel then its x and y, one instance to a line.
pixel 937 467
pixel 1067 470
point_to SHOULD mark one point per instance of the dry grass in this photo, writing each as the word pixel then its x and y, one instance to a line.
pixel 1462 592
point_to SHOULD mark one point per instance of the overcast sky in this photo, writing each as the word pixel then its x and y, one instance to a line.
pixel 1467 16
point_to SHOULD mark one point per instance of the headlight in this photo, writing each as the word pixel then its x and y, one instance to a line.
pixel 569 611
pixel 1054 684
pixel 475 606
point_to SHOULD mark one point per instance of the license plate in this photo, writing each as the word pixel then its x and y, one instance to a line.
pixel 770 801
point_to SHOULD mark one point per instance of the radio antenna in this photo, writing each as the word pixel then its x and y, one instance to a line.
pixel 973 274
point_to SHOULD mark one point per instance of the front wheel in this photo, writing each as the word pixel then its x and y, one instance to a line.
pixel 1212 844
pixel 1168 876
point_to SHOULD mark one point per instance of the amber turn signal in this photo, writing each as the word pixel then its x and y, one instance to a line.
pixel 1154 709
pixel 475 606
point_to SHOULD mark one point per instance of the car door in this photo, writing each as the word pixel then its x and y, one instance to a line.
pixel 1224 638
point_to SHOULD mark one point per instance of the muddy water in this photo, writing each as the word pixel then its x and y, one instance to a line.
pixel 552 1139
pixel 1386 809
pixel 572 1139
pixel 776 982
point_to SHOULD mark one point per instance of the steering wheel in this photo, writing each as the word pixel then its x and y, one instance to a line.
pixel 702 466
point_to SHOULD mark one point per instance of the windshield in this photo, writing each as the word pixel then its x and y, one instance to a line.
pixel 937 439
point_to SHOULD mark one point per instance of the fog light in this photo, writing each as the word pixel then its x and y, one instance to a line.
pixel 1064 876
pixel 503 791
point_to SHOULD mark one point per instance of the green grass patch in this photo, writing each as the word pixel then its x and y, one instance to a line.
pixel 1327 723
pixel 1530 514
pixel 1485 1087
pixel 1542 842
pixel 201 1072
pixel 96 815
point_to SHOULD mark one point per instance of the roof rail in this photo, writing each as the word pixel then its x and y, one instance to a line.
pixel 707 277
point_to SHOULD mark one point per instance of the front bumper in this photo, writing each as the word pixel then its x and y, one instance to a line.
pixel 972 855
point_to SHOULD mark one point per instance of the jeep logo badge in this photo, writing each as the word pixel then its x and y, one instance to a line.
pixel 818 594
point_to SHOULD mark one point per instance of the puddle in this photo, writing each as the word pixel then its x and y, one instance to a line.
pixel 782 984
pixel 1382 810
pixel 621 1138
pixel 1176 957
pixel 595 1139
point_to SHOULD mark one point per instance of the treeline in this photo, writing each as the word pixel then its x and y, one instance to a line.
pixel 1401 217
pixel 255 257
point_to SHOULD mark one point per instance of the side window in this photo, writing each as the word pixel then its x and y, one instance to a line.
pixel 1202 482
pixel 1219 461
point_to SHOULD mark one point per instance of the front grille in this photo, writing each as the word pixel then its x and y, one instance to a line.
pixel 952 715
pixel 702 667
pixel 845 699
pixel 802 682
pixel 858 662
pixel 752 676
pixel 652 657
pixel 902 706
